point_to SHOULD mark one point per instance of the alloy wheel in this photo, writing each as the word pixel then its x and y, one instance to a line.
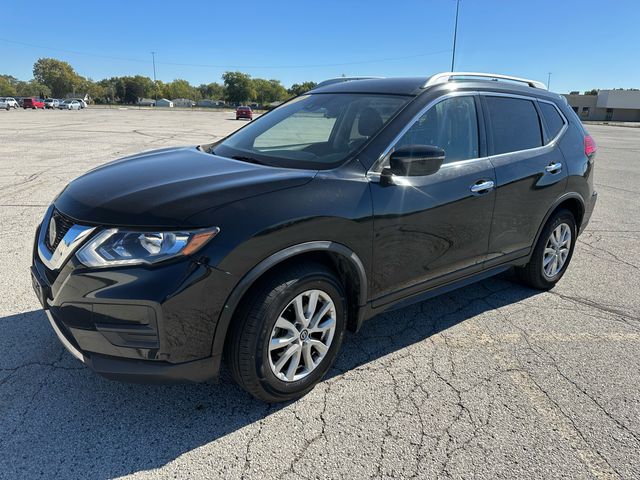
pixel 556 250
pixel 302 335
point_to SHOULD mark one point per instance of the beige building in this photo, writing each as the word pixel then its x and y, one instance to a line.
pixel 607 105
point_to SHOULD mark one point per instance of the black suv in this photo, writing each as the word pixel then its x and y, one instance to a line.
pixel 264 247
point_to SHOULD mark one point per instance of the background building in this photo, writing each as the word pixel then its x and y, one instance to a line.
pixel 183 102
pixel 607 105
pixel 146 102
pixel 163 102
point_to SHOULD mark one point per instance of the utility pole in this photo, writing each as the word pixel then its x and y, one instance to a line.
pixel 455 36
pixel 549 81
pixel 155 84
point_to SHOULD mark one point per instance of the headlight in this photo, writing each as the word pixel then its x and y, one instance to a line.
pixel 115 247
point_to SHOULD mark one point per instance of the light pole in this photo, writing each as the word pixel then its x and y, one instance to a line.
pixel 549 81
pixel 455 36
pixel 155 84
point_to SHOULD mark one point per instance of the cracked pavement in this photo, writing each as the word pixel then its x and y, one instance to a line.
pixel 491 381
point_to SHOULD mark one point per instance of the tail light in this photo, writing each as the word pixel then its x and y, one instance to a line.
pixel 590 147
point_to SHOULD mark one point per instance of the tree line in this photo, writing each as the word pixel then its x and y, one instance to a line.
pixel 56 78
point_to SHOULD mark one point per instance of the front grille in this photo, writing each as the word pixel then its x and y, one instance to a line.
pixel 63 224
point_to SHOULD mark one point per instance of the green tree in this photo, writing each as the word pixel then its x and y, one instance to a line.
pixel 59 76
pixel 213 91
pixel 160 89
pixel 238 87
pixel 591 92
pixel 300 88
pixel 97 92
pixel 33 88
pixel 267 91
pixel 7 86
pixel 180 88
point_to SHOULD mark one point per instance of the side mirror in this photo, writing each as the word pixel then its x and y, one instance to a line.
pixel 416 160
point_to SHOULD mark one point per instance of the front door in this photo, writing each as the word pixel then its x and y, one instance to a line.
pixel 429 228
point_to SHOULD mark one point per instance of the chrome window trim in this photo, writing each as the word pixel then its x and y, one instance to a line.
pixel 69 243
pixel 564 119
pixel 376 168
pixel 543 148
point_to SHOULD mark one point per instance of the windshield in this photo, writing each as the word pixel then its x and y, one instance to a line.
pixel 312 131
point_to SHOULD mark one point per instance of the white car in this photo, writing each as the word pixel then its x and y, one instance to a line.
pixel 51 103
pixel 70 105
pixel 8 102
pixel 83 104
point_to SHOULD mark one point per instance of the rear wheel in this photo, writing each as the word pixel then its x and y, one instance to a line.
pixel 552 253
pixel 287 335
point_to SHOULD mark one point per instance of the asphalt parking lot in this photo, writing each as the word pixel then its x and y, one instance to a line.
pixel 491 381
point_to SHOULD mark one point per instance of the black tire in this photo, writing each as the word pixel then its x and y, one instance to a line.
pixel 247 345
pixel 532 274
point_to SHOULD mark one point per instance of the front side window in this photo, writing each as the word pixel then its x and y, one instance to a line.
pixel 514 123
pixel 312 131
pixel 451 124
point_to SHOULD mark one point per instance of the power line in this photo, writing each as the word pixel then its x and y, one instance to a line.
pixel 197 65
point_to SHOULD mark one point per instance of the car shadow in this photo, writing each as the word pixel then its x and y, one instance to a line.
pixel 60 420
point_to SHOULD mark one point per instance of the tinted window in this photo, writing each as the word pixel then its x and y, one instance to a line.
pixel 451 125
pixel 312 131
pixel 552 118
pixel 515 124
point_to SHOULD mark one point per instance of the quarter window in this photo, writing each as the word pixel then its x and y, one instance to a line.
pixel 514 123
pixel 451 125
pixel 552 118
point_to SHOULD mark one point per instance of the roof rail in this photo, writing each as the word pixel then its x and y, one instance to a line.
pixel 445 77
pixel 343 79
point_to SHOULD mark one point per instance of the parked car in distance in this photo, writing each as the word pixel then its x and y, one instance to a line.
pixel 83 104
pixel 33 103
pixel 70 105
pixel 8 102
pixel 352 199
pixel 244 112
pixel 51 103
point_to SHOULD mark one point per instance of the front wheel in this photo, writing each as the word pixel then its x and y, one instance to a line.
pixel 552 253
pixel 287 335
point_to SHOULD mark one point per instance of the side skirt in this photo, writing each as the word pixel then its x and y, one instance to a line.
pixel 368 311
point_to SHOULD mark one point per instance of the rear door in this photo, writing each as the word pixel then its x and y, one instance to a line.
pixel 435 228
pixel 530 169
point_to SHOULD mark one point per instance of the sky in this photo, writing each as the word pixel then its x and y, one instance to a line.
pixel 585 44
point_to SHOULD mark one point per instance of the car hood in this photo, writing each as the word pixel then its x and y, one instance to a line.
pixel 163 188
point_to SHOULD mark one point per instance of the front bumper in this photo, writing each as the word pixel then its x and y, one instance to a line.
pixel 140 371
pixel 140 323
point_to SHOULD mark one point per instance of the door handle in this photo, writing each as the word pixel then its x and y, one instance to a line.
pixel 553 167
pixel 482 186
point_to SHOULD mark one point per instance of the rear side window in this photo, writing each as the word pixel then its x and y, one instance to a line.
pixel 514 123
pixel 451 125
pixel 552 119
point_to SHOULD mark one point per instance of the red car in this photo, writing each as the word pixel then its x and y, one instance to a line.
pixel 33 103
pixel 244 112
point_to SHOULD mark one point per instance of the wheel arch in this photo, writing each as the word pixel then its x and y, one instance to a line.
pixel 570 201
pixel 344 261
